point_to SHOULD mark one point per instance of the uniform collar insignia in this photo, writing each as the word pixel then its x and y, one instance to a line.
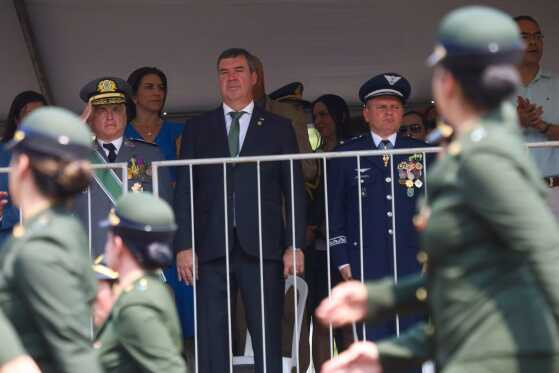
pixel 392 79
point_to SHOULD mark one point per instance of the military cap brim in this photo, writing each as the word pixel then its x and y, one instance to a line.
pixel 477 36
pixel 53 131
pixel 290 91
pixel 114 220
pixel 106 91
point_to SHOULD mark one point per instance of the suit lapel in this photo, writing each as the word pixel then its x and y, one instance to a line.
pixel 219 131
pixel 253 131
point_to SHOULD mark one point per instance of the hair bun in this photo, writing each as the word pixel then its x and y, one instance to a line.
pixel 75 176
pixel 158 254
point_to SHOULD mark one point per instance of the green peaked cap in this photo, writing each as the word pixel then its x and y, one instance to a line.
pixel 477 36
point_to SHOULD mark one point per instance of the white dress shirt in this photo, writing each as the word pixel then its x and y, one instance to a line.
pixel 244 121
pixel 117 143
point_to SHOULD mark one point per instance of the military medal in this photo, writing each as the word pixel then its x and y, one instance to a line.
pixel 418 183
pixel 410 192
pixel 385 158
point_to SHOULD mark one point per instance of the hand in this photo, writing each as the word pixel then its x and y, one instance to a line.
pixel 86 113
pixel 361 357
pixel 529 114
pixel 20 364
pixel 345 272
pixel 288 262
pixel 185 266
pixel 310 234
pixel 347 304
pixel 3 201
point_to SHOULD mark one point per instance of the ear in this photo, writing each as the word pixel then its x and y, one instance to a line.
pixel 365 113
pixel 253 78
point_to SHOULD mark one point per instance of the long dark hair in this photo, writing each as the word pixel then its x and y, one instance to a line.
pixel 17 106
pixel 338 109
pixel 134 80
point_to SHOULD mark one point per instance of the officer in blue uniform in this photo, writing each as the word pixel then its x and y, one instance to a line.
pixel 388 198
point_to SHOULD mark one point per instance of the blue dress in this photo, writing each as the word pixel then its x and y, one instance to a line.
pixel 167 141
pixel 11 212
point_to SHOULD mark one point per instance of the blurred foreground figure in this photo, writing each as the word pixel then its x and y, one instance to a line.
pixel 46 281
pixel 142 333
pixel 491 285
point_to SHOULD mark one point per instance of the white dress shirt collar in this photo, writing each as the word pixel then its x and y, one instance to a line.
pixel 247 109
pixel 377 139
pixel 117 143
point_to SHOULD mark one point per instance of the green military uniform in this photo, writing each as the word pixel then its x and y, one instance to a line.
pixel 490 248
pixel 46 282
pixel 142 333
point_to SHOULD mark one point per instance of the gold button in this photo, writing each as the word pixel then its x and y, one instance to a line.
pixel 421 294
pixel 422 257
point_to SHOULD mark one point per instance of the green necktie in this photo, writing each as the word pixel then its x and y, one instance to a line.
pixel 233 137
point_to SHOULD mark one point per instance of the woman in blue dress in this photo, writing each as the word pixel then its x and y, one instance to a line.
pixel 149 89
pixel 23 104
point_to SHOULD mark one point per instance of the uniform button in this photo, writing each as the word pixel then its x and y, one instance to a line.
pixel 389 214
pixel 389 197
pixel 390 231
pixel 421 294
pixel 354 243
pixel 362 181
pixel 422 257
pixel 388 179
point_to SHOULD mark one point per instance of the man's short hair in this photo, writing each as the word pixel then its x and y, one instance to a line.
pixel 236 52
pixel 526 18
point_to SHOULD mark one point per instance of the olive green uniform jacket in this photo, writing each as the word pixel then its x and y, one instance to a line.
pixel 491 250
pixel 142 332
pixel 46 287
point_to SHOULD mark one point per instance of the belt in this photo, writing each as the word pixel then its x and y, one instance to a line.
pixel 552 181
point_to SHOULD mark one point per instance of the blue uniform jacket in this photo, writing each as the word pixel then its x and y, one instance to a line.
pixel 377 198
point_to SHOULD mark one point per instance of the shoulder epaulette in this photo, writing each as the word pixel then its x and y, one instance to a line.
pixel 135 139
pixel 350 140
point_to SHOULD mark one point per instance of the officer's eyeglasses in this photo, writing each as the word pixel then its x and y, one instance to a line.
pixel 536 36
pixel 412 128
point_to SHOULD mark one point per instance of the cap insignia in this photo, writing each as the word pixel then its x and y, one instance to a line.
pixel 392 79
pixel 106 85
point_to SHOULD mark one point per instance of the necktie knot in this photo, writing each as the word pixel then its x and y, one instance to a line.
pixel 112 151
pixel 385 144
pixel 236 115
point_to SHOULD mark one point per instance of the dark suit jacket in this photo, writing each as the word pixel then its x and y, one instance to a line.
pixel 206 137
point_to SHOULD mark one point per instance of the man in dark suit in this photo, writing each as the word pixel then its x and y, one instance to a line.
pixel 388 198
pixel 106 114
pixel 239 128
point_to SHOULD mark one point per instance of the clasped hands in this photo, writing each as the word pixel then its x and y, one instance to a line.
pixel 529 114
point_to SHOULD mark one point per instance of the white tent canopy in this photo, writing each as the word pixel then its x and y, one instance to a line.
pixel 331 46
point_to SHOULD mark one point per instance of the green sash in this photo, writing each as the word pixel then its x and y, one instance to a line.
pixel 106 178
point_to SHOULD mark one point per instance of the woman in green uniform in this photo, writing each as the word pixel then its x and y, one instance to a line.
pixel 491 244
pixel 142 333
pixel 46 281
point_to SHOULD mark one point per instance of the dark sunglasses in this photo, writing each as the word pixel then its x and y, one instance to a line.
pixel 414 128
